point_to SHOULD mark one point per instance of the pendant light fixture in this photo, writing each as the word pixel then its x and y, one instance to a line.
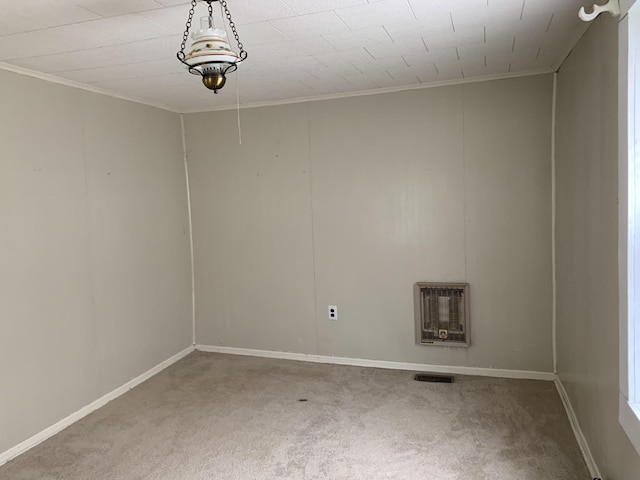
pixel 210 54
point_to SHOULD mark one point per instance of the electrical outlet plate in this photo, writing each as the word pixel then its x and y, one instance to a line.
pixel 333 312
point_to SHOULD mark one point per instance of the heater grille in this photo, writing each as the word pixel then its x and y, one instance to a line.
pixel 442 313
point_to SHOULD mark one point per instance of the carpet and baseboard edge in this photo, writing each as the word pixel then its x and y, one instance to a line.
pixel 86 410
pixel 361 362
pixel 573 420
pixel 490 372
pixel 456 370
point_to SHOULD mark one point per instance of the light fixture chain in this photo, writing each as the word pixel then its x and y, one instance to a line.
pixel 185 37
pixel 242 53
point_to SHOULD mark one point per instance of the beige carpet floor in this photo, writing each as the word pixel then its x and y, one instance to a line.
pixel 223 417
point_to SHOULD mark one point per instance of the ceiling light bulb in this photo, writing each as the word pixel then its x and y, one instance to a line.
pixel 206 23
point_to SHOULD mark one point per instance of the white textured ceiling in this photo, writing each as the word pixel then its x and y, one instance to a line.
pixel 297 48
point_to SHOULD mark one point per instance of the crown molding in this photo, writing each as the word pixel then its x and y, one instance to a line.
pixel 378 91
pixel 82 86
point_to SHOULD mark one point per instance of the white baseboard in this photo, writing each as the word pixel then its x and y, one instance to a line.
pixel 490 372
pixel 582 441
pixel 359 362
pixel 487 372
pixel 84 411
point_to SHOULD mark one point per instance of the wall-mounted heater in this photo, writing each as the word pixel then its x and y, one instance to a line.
pixel 442 314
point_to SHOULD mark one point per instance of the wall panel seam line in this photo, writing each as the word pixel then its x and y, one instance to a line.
pixel 464 189
pixel 191 254
pixel 90 242
pixel 554 298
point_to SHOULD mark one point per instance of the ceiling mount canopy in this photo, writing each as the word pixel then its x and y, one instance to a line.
pixel 210 54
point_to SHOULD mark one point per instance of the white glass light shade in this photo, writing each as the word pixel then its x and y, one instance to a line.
pixel 210 45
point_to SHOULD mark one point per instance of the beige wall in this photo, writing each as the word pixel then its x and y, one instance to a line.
pixel 351 201
pixel 587 245
pixel 94 251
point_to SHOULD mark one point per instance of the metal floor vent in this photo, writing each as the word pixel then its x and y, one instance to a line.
pixel 442 314
pixel 428 377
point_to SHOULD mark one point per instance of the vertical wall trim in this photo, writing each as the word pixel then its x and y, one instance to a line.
pixel 554 304
pixel 313 234
pixel 193 275
pixel 464 189
pixel 626 66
